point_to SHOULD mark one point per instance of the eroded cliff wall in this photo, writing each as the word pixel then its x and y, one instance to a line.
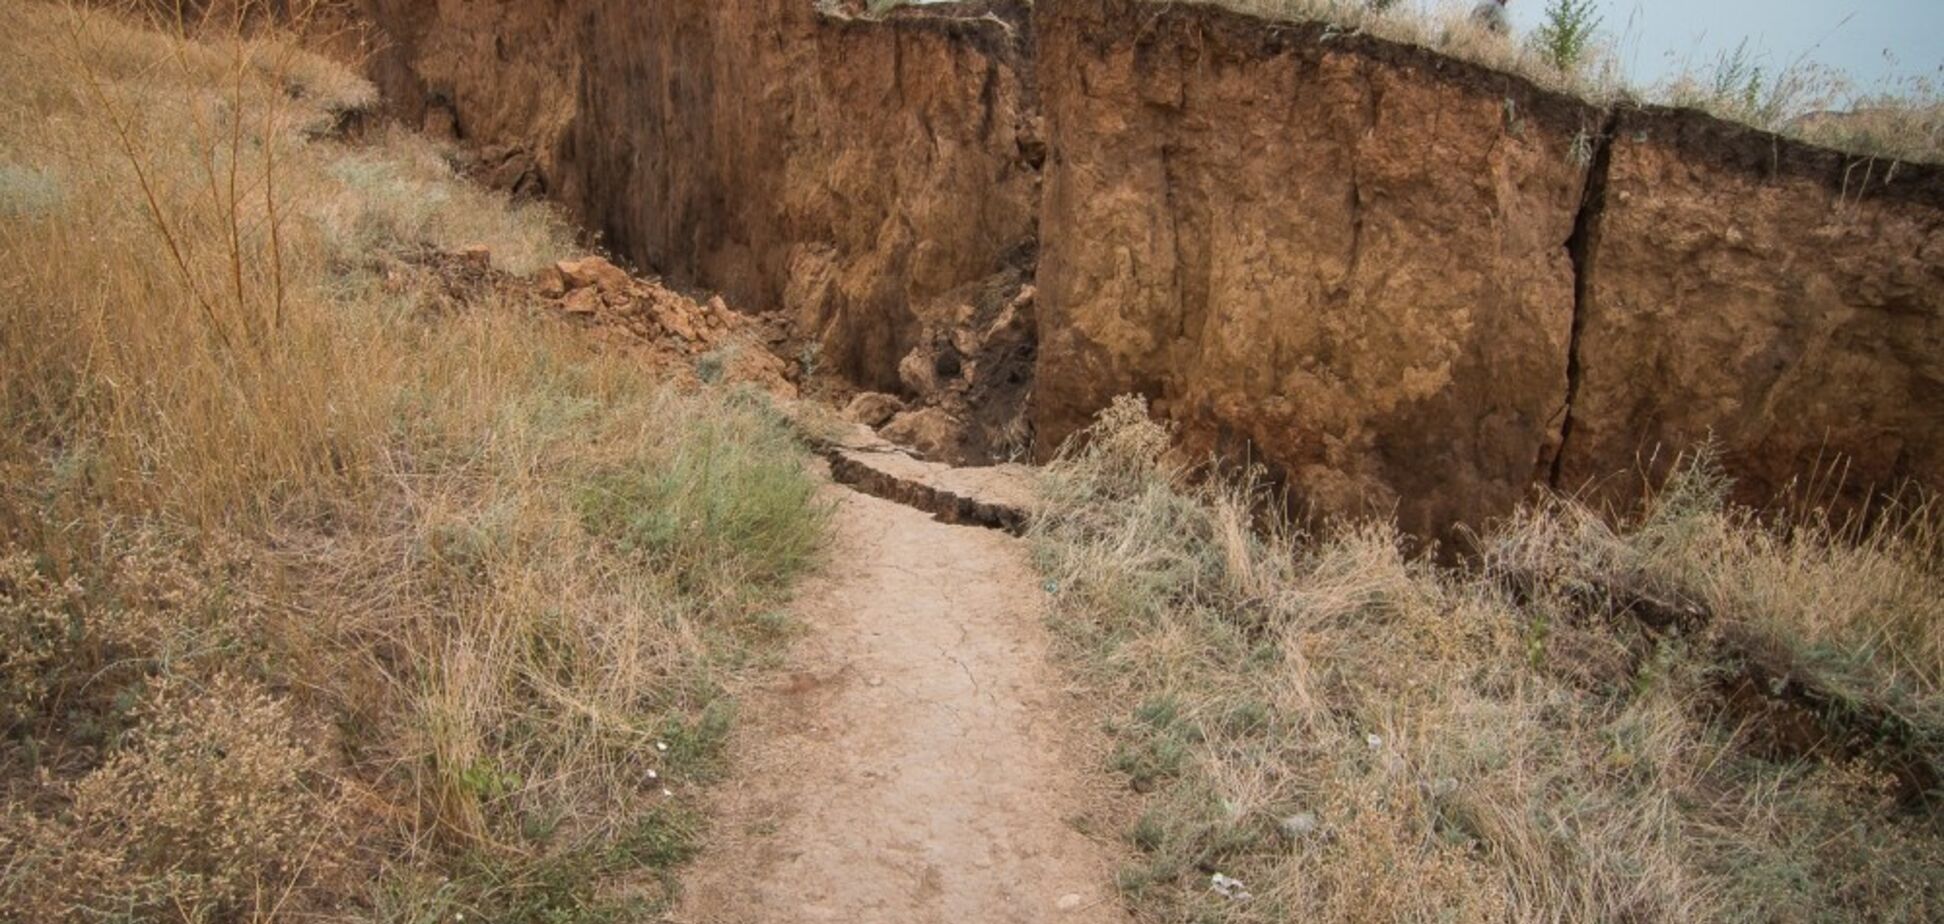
pixel 1403 283
pixel 848 172
pixel 1407 283
pixel 1785 300
pixel 1344 259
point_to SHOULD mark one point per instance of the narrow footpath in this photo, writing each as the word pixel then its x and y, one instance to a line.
pixel 918 762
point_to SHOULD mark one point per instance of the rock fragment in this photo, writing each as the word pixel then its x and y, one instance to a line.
pixel 593 271
pixel 476 257
pixel 1229 887
pixel 550 282
pixel 873 409
pixel 932 431
pixel 919 373
pixel 582 302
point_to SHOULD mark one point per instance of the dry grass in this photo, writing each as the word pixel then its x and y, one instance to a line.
pixel 1447 27
pixel 1360 736
pixel 1859 608
pixel 324 594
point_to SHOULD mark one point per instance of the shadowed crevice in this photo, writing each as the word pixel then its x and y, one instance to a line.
pixel 1582 247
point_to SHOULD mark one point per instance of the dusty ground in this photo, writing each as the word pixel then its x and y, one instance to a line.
pixel 914 765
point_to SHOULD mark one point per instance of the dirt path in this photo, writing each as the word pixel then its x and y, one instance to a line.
pixel 915 766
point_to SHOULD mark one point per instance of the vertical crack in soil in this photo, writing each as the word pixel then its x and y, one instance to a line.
pixel 1581 248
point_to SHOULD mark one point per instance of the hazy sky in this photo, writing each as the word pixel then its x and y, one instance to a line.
pixel 1656 37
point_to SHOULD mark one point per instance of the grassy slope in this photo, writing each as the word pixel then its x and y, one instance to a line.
pixel 1360 736
pixel 323 592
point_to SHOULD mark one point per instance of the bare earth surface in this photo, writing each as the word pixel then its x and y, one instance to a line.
pixel 914 765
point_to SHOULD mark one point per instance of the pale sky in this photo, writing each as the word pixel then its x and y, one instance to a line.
pixel 1658 37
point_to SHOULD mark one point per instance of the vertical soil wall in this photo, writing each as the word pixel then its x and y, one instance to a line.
pixel 1405 284
pixel 845 171
pixel 1344 259
pixel 1785 301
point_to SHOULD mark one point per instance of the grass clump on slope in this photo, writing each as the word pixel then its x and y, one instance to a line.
pixel 1356 734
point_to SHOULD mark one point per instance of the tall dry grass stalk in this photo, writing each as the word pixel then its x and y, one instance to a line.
pixel 323 594
pixel 153 319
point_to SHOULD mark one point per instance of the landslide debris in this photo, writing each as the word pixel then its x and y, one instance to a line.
pixel 967 384
pixel 704 340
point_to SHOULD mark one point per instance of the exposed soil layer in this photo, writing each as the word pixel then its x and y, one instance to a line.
pixel 845 172
pixel 918 764
pixel 1403 283
pixel 1341 258
pixel 1413 284
pixel 1787 300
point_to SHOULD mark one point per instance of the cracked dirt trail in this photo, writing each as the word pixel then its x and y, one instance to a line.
pixel 914 764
